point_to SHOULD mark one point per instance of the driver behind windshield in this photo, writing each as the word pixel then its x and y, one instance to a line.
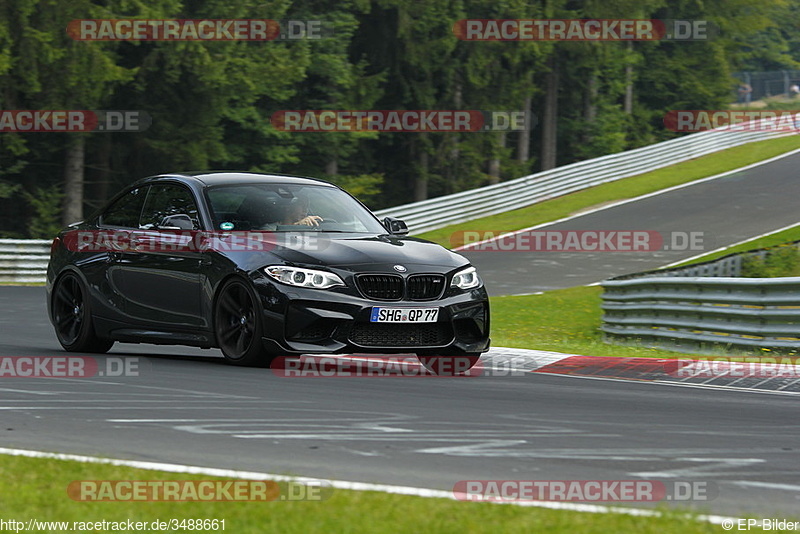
pixel 297 213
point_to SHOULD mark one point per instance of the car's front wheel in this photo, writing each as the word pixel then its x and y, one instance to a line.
pixel 238 325
pixel 73 319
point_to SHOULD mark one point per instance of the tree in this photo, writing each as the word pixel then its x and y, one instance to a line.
pixel 58 72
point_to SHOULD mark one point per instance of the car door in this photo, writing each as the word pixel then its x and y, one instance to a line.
pixel 111 241
pixel 162 273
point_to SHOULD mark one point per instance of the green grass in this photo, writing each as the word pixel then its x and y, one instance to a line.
pixel 778 238
pixel 779 262
pixel 557 208
pixel 773 103
pixel 563 320
pixel 568 320
pixel 36 488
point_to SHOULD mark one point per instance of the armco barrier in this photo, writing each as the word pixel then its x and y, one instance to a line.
pixel 505 196
pixel 677 309
pixel 23 260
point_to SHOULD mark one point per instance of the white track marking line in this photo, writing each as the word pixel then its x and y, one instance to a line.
pixel 122 407
pixel 673 264
pixel 545 358
pixel 635 199
pixel 30 392
pixel 339 484
pixel 764 485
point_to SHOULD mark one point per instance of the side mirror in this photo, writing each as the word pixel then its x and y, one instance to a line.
pixel 177 222
pixel 395 226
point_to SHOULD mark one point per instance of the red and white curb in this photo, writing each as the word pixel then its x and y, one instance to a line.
pixel 768 374
pixel 754 374
pixel 521 362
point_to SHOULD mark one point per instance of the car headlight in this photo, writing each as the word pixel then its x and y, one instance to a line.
pixel 295 276
pixel 466 279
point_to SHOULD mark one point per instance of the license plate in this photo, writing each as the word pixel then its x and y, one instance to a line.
pixel 404 315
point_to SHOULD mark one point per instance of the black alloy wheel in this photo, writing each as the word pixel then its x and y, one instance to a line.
pixel 237 324
pixel 72 317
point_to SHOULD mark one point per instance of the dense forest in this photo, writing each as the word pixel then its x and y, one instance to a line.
pixel 211 101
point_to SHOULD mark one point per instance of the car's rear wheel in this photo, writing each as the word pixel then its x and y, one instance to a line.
pixel 73 319
pixel 450 365
pixel 238 325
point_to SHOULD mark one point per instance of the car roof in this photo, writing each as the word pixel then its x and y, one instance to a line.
pixel 212 178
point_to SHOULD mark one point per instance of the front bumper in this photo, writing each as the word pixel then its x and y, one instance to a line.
pixel 300 320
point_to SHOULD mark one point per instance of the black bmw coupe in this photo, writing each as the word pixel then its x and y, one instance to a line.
pixel 259 266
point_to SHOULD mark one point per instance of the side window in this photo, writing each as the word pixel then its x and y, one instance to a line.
pixel 170 206
pixel 125 212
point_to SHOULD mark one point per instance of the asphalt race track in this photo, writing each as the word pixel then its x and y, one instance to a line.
pixel 187 407
pixel 726 210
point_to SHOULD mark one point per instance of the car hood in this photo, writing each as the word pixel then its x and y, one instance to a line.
pixel 364 253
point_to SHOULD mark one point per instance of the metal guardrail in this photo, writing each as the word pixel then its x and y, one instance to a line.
pixel 505 196
pixel 703 306
pixel 24 260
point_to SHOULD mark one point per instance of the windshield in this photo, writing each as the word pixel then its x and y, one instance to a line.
pixel 288 208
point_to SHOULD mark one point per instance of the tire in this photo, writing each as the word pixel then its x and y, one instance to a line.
pixel 238 326
pixel 451 365
pixel 72 317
